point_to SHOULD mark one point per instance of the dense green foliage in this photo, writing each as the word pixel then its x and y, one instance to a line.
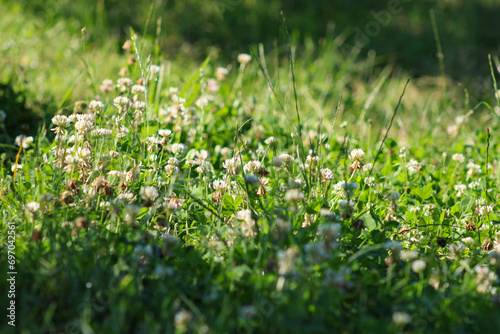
pixel 232 195
pixel 468 28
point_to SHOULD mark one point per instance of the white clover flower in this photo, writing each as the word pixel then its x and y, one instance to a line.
pixel 468 241
pixel 101 132
pixel 415 209
pixel 73 118
pixel 128 197
pixel 121 101
pixel 370 181
pixel 190 163
pixel 182 319
pixel 96 105
pixel 83 153
pixel 326 174
pixel 403 151
pixel 16 167
pixel 458 157
pixel 401 318
pixel 220 73
pixel 226 152
pixel 171 170
pixel 244 214
pixel 485 209
pixel 357 154
pixel 484 279
pixel 418 266
pixel 213 86
pixel 231 165
pixel 202 102
pixel 312 160
pixel 324 212
pixel 165 133
pixel 457 248
pixel 339 186
pixel 367 167
pixel 149 193
pixel 139 105
pixel 408 255
pixel 153 71
pixel 244 58
pixel 480 201
pixel 294 195
pixel 247 222
pixel 123 132
pixel 204 168
pixel 85 117
pixel 270 140
pixel 153 140
pixel 178 148
pixel 278 162
pixel 61 121
pixel 252 166
pixel 33 207
pixel 495 256
pixel 107 86
pixel 286 260
pixel 220 185
pixel 84 126
pixel 117 173
pixel 473 169
pixel 461 189
pixel 428 209
pixel 138 89
pixel 287 158
pixel 24 141
pixel 105 204
pixel 413 166
pixel 124 83
pixel 452 130
pixel 474 185
pixel 173 161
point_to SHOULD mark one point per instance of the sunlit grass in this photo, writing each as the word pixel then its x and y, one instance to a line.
pixel 175 196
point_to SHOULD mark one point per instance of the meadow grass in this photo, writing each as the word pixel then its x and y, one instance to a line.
pixel 262 195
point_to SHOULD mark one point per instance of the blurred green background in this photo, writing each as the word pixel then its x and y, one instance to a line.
pixel 43 62
pixel 468 29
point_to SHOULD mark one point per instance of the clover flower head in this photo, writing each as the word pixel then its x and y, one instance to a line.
pixel 357 154
pixel 149 193
pixel 61 121
pixel 418 266
pixel 244 58
pixel 294 195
